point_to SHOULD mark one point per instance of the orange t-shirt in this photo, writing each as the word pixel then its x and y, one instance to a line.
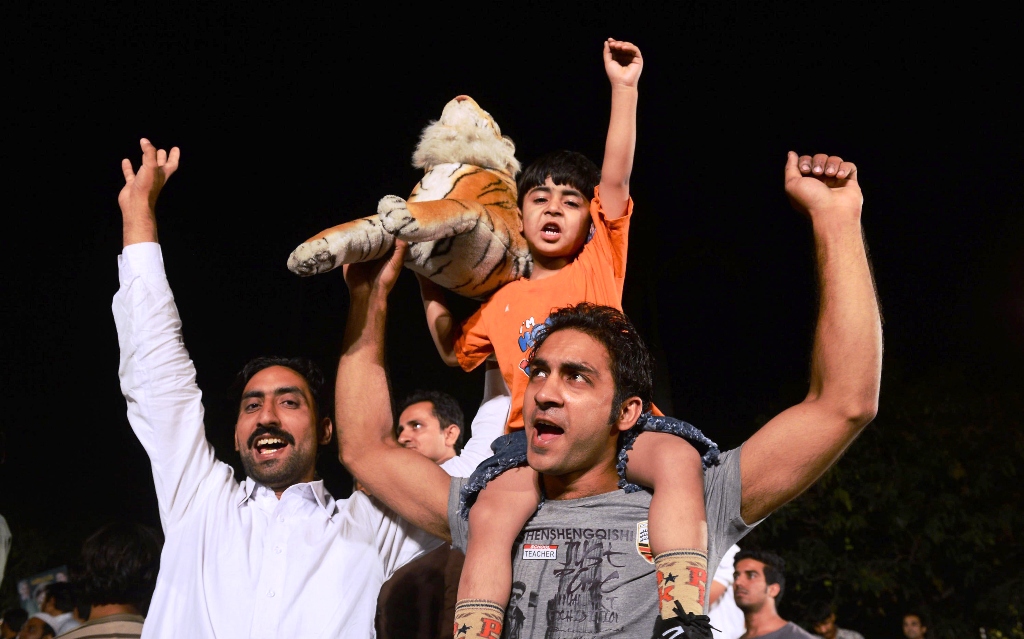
pixel 504 324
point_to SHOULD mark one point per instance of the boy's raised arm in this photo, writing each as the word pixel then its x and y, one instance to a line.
pixel 439 319
pixel 406 481
pixel 623 64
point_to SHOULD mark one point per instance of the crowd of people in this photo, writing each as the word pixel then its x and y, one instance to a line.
pixel 576 508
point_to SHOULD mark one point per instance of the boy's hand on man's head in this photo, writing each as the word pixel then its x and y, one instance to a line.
pixel 622 62
pixel 137 198
pixel 819 183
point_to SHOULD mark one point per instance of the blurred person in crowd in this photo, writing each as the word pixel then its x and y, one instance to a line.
pixel 915 625
pixel 12 621
pixel 822 618
pixel 116 577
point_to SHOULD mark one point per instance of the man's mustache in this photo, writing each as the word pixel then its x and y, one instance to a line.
pixel 273 431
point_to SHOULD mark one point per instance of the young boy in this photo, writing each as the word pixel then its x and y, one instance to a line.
pixel 578 245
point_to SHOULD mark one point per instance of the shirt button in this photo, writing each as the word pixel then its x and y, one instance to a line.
pixel 280 518
pixel 270 593
pixel 277 549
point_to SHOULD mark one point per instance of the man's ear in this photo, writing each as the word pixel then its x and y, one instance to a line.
pixel 629 412
pixel 451 434
pixel 773 590
pixel 326 430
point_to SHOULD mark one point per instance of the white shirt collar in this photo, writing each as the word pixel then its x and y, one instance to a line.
pixel 313 491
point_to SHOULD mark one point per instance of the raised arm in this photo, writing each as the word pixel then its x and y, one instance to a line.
pixel 796 447
pixel 623 64
pixel 439 319
pixel 409 483
pixel 157 377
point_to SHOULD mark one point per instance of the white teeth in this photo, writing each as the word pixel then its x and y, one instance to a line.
pixel 267 441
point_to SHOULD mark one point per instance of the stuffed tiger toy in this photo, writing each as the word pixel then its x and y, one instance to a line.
pixel 461 220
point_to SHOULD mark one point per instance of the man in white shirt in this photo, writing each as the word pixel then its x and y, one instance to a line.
pixel 274 555
pixel 430 422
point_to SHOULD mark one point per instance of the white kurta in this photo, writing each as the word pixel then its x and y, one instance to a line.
pixel 238 562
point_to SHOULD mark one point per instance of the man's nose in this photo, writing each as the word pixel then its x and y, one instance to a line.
pixel 268 414
pixel 548 392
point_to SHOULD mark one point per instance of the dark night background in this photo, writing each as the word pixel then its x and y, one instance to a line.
pixel 294 120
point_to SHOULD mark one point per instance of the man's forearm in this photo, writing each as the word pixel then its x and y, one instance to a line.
pixel 847 357
pixel 362 395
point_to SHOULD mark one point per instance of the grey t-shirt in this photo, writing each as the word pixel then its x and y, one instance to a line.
pixel 586 562
pixel 789 631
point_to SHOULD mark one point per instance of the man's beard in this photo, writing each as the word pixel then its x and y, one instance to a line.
pixel 282 473
pixel 278 473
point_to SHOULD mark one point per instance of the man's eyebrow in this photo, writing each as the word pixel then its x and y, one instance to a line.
pixel 283 390
pixel 567 366
pixel 579 367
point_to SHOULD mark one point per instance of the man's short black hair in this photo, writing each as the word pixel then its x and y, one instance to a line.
pixel 565 168
pixel 119 564
pixel 630 359
pixel 819 612
pixel 446 410
pixel 520 585
pixel 15 617
pixel 774 568
pixel 303 366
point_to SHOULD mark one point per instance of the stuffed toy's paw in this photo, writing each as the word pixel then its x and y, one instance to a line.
pixel 461 219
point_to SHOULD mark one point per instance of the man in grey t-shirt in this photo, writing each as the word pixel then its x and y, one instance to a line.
pixel 759 583
pixel 583 557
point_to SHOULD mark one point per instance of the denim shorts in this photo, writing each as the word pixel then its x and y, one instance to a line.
pixel 510 452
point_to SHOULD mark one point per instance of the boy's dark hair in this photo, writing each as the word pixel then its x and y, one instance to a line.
pixel 446 410
pixel 774 567
pixel 630 360
pixel 302 365
pixel 63 595
pixel 565 168
pixel 15 617
pixel 819 611
pixel 119 565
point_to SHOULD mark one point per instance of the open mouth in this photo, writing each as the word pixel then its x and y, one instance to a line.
pixel 545 432
pixel 269 445
pixel 267 442
pixel 550 231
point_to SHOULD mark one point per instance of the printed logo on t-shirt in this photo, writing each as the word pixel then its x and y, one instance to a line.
pixel 538 551
pixel 529 332
pixel 643 542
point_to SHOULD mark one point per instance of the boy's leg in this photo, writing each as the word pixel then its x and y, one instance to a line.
pixel 677 522
pixel 501 510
